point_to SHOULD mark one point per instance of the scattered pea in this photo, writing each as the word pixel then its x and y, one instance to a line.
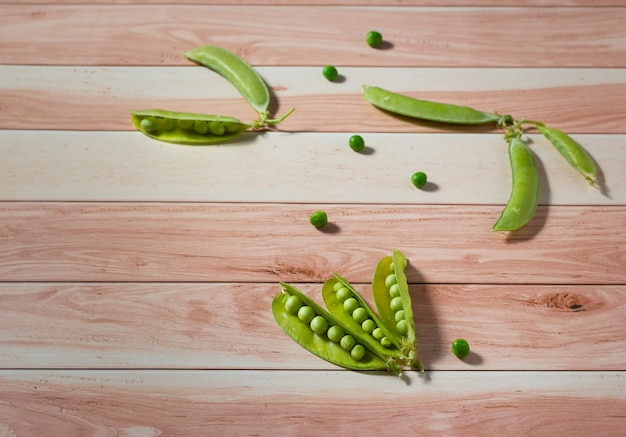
pixel 419 179
pixel 343 294
pixel 306 314
pixel 460 348
pixel 350 305
pixel 335 333
pixel 402 327
pixel 358 352
pixel 347 342
pixel 374 38
pixel 330 72
pixel 360 314
pixel 319 325
pixel 399 315
pixel 368 326
pixel 396 304
pixel 356 143
pixel 318 219
pixel 293 304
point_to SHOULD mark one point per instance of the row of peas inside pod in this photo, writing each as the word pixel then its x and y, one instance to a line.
pixel 348 333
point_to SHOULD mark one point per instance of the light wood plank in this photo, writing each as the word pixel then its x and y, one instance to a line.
pixel 295 167
pixel 230 326
pixel 309 35
pixel 100 98
pixel 272 242
pixel 232 403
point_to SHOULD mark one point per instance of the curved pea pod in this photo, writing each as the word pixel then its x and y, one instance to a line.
pixel 320 344
pixel 187 128
pixel 522 203
pixel 338 294
pixel 427 110
pixel 236 71
pixel 393 301
pixel 573 152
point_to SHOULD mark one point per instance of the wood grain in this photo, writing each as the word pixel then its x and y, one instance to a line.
pixel 230 326
pixel 92 98
pixel 234 403
pixel 309 35
pixel 270 242
pixel 386 3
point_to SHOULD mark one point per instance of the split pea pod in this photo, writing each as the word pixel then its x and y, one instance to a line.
pixel 573 152
pixel 321 333
pixel 393 301
pixel 427 110
pixel 237 71
pixel 522 202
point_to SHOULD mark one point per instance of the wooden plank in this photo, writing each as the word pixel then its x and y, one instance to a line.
pixel 428 36
pixel 233 403
pixel 295 167
pixel 100 98
pixel 230 326
pixel 270 242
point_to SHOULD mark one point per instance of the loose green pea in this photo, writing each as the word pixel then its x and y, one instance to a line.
pixel 394 290
pixel 360 314
pixel 396 304
pixel 391 280
pixel 330 72
pixel 343 294
pixel 402 327
pixel 356 143
pixel 148 124
pixel 347 342
pixel 217 128
pixel 306 314
pixel 374 38
pixel 460 348
pixel 350 305
pixel 201 126
pixel 399 315
pixel 368 325
pixel 293 304
pixel 385 342
pixel 358 352
pixel 378 333
pixel 318 219
pixel 319 325
pixel 335 333
pixel 419 179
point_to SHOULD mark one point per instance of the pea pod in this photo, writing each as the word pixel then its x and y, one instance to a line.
pixel 573 152
pixel 287 316
pixel 187 128
pixel 393 301
pixel 522 203
pixel 427 110
pixel 236 71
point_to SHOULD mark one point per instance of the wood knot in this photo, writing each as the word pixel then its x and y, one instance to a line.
pixel 564 302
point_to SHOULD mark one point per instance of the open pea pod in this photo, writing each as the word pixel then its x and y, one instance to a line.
pixel 345 303
pixel 298 323
pixel 393 301
pixel 186 127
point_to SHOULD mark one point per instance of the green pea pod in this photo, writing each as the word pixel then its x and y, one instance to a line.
pixel 237 71
pixel 339 303
pixel 187 128
pixel 522 203
pixel 320 344
pixel 573 152
pixel 393 301
pixel 427 110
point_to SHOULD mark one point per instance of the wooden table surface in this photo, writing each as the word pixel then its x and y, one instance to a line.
pixel 136 276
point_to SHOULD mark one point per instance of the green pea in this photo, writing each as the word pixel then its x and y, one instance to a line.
pixel 168 124
pixel 293 304
pixel 392 268
pixel 335 333
pixel 385 342
pixel 350 305
pixel 460 348
pixel 402 327
pixel 522 203
pixel 419 179
pixel 338 286
pixel 201 126
pixel 149 125
pixel 360 314
pixel 343 294
pixel 306 314
pixel 427 110
pixel 399 315
pixel 368 325
pixel 394 290
pixel 356 143
pixel 318 219
pixel 330 72
pixel 185 124
pixel 378 333
pixel 347 342
pixel 358 352
pixel 217 128
pixel 391 280
pixel 396 304
pixel 319 325
pixel 374 38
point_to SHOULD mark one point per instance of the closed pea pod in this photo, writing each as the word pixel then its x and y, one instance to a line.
pixel 427 110
pixel 319 343
pixel 522 202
